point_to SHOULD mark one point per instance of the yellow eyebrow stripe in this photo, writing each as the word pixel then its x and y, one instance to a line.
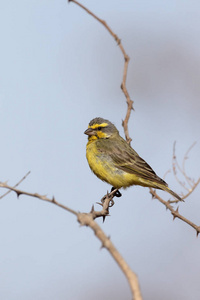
pixel 98 125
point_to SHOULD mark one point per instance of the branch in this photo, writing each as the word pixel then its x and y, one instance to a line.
pixel 126 61
pixel 174 212
pixel 87 219
pixel 189 180
pixel 175 166
pixel 36 195
pixel 192 189
pixel 18 183
pixel 192 186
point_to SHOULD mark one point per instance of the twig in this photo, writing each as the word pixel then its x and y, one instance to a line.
pixel 192 189
pixel 189 181
pixel 175 165
pixel 126 61
pixel 36 195
pixel 18 183
pixel 174 212
pixel 193 185
pixel 166 173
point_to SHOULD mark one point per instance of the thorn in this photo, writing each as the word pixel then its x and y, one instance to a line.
pixel 166 206
pixel 174 213
pixel 104 217
pixel 198 230
pixel 92 209
pixel 126 58
pixel 118 42
pixel 53 199
pixel 152 193
pixel 103 199
pixel 18 194
pixel 99 203
pixel 102 246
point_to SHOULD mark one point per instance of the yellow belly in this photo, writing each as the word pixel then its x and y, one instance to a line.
pixel 104 168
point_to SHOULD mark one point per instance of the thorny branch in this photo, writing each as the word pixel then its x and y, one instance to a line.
pixel 192 185
pixel 174 212
pixel 18 183
pixel 126 61
pixel 87 219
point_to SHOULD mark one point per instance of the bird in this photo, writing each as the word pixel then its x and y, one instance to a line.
pixel 114 161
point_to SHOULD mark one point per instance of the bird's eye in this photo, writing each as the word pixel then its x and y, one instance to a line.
pixel 99 128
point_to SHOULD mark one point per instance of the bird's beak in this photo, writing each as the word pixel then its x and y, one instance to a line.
pixel 90 132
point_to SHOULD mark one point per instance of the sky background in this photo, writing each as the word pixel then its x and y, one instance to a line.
pixel 59 68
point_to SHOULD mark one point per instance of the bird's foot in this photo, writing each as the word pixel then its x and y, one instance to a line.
pixel 117 193
pixel 111 201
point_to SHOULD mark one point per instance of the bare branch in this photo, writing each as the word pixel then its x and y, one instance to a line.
pixel 192 189
pixel 126 61
pixel 87 219
pixel 18 183
pixel 174 212
pixel 175 166
pixel 36 195
pixel 166 173
pixel 191 182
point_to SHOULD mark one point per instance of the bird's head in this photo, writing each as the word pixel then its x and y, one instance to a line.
pixel 100 128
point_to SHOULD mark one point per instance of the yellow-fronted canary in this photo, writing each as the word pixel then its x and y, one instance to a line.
pixel 113 160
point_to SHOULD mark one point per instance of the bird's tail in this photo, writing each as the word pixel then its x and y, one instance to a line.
pixel 175 195
pixel 167 189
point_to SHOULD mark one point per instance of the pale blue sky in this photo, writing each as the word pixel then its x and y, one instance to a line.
pixel 59 69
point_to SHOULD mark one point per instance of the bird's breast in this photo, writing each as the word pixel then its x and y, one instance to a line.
pixel 103 166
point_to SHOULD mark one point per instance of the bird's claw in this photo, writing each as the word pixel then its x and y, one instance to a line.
pixel 117 193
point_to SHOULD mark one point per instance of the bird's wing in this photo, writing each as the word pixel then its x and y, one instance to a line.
pixel 126 158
